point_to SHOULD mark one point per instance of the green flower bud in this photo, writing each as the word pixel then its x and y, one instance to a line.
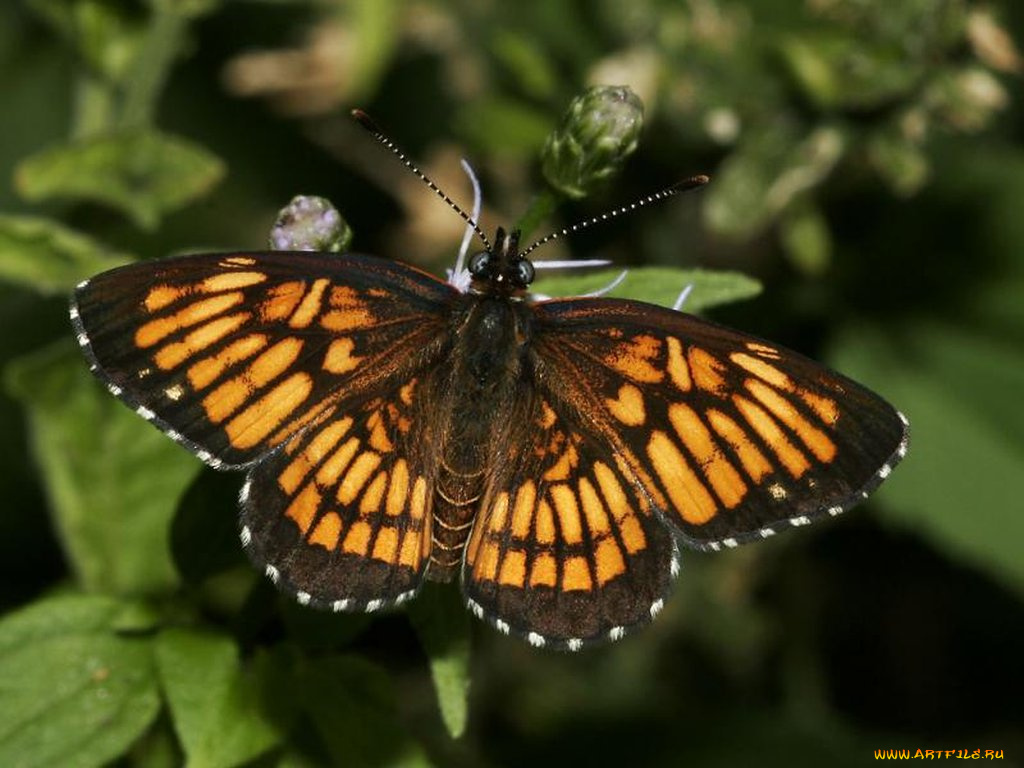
pixel 598 132
pixel 310 223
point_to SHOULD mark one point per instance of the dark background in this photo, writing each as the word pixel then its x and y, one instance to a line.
pixel 867 167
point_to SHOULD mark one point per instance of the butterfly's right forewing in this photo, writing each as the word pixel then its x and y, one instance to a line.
pixel 730 436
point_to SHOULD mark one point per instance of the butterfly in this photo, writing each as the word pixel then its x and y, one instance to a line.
pixel 551 455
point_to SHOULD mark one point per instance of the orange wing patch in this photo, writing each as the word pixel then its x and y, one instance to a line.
pixel 269 411
pixel 707 371
pixel 231 355
pixel 267 366
pixel 818 442
pixel 170 356
pixel 628 406
pixel 281 300
pixel 155 331
pixel 164 294
pixel 309 305
pixel 825 408
pixel 562 525
pixel 754 464
pixel 351 490
pixel 203 373
pixel 348 311
pixel 690 428
pixel 728 436
pixel 678 368
pixel 343 512
pixel 636 359
pixel 555 531
pixel 524 548
pixel 339 357
pixel 769 431
pixel 686 491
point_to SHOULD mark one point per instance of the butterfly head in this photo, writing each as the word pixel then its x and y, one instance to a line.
pixel 501 269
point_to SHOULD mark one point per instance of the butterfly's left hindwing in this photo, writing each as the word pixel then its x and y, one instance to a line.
pixel 340 517
pixel 730 437
pixel 231 355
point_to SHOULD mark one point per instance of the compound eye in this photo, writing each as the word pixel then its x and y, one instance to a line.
pixel 524 272
pixel 480 264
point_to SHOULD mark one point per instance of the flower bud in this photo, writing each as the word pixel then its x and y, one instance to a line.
pixel 310 223
pixel 598 132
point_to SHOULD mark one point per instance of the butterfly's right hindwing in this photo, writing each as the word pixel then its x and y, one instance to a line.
pixel 566 550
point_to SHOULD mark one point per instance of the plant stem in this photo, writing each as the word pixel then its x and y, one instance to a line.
pixel 93 110
pixel 164 40
pixel 541 207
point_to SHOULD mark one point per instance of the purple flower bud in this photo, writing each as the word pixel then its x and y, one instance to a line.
pixel 310 223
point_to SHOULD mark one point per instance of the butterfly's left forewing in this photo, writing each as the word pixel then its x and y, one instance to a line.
pixel 232 354
pixel 729 436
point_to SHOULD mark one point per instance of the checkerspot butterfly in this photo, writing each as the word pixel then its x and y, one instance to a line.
pixel 551 454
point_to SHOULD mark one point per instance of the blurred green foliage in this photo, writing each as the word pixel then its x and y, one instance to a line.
pixel 868 171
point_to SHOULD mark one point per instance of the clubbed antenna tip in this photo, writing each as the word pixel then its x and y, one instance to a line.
pixel 364 120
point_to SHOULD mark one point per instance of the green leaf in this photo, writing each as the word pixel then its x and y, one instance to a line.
pixel 963 479
pixel 58 13
pixel 73 692
pixel 57 617
pixel 214 701
pixel 112 479
pixel 46 256
pixel 443 626
pixel 164 39
pixel 657 285
pixel 352 704
pixel 144 174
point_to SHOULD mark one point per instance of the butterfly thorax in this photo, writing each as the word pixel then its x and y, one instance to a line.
pixel 482 375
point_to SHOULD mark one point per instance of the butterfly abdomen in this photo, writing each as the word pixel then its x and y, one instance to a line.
pixel 479 378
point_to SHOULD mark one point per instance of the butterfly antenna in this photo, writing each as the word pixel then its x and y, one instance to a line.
pixel 694 182
pixel 364 120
